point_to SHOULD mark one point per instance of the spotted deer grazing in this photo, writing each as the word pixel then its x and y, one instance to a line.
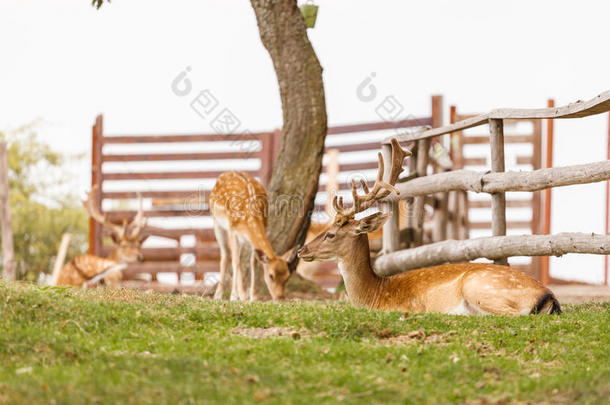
pixel 238 204
pixel 86 270
pixel 465 288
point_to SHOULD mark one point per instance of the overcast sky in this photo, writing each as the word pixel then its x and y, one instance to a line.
pixel 64 62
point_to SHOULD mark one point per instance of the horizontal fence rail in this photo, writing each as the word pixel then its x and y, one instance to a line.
pixel 494 247
pixel 579 109
pixel 468 180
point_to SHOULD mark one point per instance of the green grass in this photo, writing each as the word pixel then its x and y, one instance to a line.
pixel 117 346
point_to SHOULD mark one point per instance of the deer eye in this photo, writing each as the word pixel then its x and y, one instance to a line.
pixel 270 276
pixel 329 235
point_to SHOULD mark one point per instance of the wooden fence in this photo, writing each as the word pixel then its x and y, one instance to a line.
pixel 524 146
pixel 125 165
pixel 497 182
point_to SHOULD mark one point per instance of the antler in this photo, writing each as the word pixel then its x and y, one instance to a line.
pixel 138 222
pixel 381 188
pixel 98 216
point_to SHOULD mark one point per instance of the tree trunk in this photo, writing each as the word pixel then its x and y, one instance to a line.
pixel 294 180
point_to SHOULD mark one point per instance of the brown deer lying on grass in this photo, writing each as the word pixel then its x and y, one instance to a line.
pixel 238 204
pixel 87 270
pixel 465 288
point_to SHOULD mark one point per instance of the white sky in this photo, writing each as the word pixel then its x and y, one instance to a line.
pixel 65 62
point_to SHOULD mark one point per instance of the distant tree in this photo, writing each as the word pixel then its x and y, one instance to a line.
pixel 41 209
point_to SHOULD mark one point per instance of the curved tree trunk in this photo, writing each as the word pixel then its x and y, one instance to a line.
pixel 294 181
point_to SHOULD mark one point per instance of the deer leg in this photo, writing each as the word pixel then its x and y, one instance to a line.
pixel 242 288
pixel 222 238
pixel 236 263
pixel 253 295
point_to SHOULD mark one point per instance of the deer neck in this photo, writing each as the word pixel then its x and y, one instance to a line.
pixel 114 256
pixel 257 236
pixel 363 286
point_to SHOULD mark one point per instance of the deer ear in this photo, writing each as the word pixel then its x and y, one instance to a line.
pixel 371 223
pixel 290 255
pixel 115 238
pixel 261 256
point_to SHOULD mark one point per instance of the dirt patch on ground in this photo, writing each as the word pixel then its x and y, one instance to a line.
pixel 270 332
pixel 419 336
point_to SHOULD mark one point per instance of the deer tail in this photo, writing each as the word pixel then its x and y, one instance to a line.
pixel 547 304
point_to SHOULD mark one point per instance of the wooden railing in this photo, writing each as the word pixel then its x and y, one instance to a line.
pixel 497 183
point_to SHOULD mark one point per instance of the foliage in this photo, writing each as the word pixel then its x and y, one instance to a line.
pixel 122 346
pixel 41 210
pixel 98 3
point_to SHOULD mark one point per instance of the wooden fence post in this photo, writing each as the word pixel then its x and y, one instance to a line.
pixel 607 227
pixel 61 257
pixel 391 229
pixel 441 209
pixel 8 250
pixel 423 147
pixel 410 203
pixel 332 181
pixel 498 200
pixel 536 196
pixel 453 204
pixel 95 229
pixel 546 226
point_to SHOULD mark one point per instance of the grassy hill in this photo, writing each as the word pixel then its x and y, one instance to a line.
pixel 119 346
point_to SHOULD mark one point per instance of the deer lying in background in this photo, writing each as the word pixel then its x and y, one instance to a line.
pixel 87 270
pixel 238 204
pixel 465 288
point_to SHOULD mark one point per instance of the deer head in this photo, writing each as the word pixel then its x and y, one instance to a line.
pixel 338 240
pixel 127 237
pixel 276 271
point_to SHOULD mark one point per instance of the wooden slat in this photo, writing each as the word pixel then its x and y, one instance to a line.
pixel 356 147
pixel 343 186
pixel 202 234
pixel 579 109
pixel 377 126
pixel 168 175
pixel 188 195
pixel 525 160
pixel 347 167
pixel 484 139
pixel 170 157
pixel 120 215
pixel 481 161
pixel 181 138
pixel 509 204
pixel 208 251
pixel 509 224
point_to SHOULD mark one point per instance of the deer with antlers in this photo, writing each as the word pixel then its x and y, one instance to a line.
pixel 464 288
pixel 87 270
pixel 238 204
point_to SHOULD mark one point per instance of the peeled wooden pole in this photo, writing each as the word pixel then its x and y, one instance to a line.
pixel 61 257
pixel 546 226
pixel 391 229
pixel 468 180
pixel 498 199
pixel 423 147
pixel 494 247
